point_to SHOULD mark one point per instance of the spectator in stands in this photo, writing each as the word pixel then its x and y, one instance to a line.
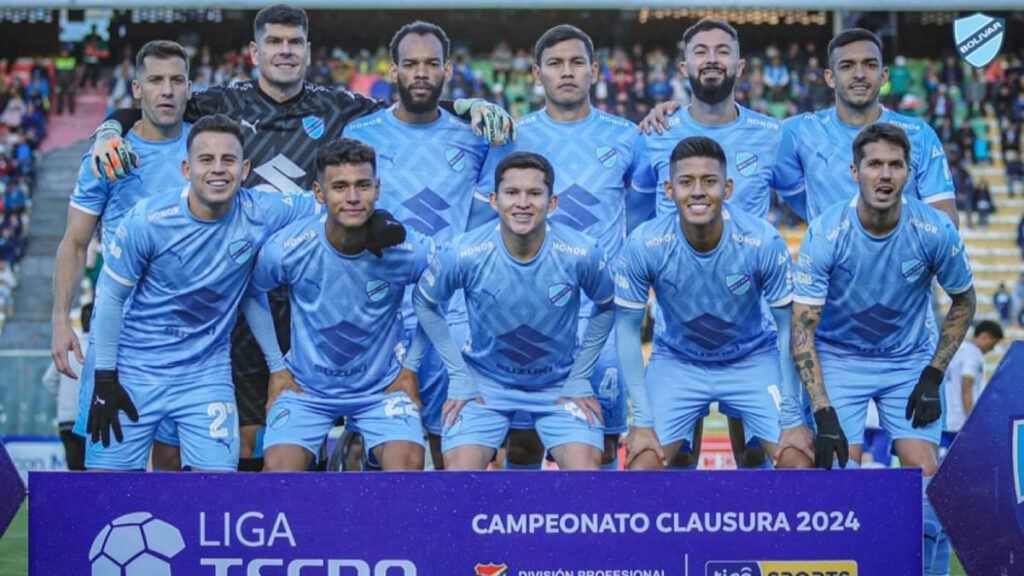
pixel 95 53
pixel 1002 301
pixel 964 139
pixel 1014 171
pixel 121 86
pixel 983 203
pixel 1018 297
pixel 776 75
pixel 10 246
pixel 501 63
pixel 1020 236
pixel 951 74
pixel 975 94
pixel 15 109
pixel 900 81
pixel 7 285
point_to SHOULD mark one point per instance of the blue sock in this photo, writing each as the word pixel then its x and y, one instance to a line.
pixel 933 533
pixel 613 465
pixel 534 466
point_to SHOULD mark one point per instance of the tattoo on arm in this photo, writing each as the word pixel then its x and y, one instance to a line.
pixel 805 355
pixel 954 327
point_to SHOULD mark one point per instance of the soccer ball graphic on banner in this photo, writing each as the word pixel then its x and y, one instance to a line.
pixel 135 544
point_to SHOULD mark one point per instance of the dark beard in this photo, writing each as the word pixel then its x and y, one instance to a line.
pixel 713 94
pixel 419 107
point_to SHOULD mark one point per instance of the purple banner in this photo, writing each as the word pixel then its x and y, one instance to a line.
pixel 838 523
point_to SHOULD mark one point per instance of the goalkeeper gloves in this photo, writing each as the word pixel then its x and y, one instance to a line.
pixel 829 440
pixel 108 397
pixel 112 155
pixel 383 230
pixel 488 120
pixel 925 404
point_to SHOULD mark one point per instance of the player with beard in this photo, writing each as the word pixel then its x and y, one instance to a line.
pixel 751 141
pixel 429 162
pixel 284 119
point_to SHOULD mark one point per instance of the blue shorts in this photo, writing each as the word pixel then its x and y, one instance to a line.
pixel 680 391
pixel 305 419
pixel 205 419
pixel 166 431
pixel 607 386
pixel 487 424
pixel 851 383
pixel 433 378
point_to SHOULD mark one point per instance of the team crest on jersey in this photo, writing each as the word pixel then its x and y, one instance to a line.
pixel 278 418
pixel 560 293
pixel 241 251
pixel 912 269
pixel 738 283
pixel 376 290
pixel 746 163
pixel 605 155
pixel 978 38
pixel 490 570
pixel 314 126
pixel 456 159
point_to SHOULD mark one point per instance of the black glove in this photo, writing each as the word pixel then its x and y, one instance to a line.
pixel 108 397
pixel 830 439
pixel 925 403
pixel 383 230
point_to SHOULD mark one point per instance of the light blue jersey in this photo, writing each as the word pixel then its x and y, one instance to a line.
pixel 813 166
pixel 596 160
pixel 522 315
pixel 159 171
pixel 346 322
pixel 751 143
pixel 875 291
pixel 714 304
pixel 188 276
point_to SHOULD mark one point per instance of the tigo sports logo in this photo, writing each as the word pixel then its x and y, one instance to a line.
pixel 135 544
pixel 782 568
pixel 490 570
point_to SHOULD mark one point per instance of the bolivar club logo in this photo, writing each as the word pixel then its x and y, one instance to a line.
pixel 782 568
pixel 314 126
pixel 491 570
pixel 606 155
pixel 241 251
pixel 978 38
pixel 746 163
pixel 135 544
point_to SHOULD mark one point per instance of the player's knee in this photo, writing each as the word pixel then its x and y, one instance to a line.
pixel 793 458
pixel 401 456
pixel 284 458
pixel 166 457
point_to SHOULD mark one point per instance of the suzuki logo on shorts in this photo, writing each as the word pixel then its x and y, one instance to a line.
pixel 135 543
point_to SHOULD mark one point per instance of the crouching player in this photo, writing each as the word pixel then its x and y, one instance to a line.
pixel 716 272
pixel 346 326
pixel 522 280
pixel 175 273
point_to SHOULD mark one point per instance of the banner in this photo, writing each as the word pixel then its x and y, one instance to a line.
pixel 768 523
pixel 35 453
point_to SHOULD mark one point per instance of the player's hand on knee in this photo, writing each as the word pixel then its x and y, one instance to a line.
pixel 590 407
pixel 279 382
pixel 63 341
pixel 830 440
pixel 924 405
pixel 642 440
pixel 108 398
pixel 799 438
pixel 407 382
pixel 657 119
pixel 452 407
pixel 112 155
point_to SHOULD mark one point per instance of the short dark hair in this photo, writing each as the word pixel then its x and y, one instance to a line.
pixel 344 151
pixel 989 327
pixel 216 123
pixel 559 34
pixel 849 37
pixel 526 160
pixel 285 14
pixel 86 316
pixel 705 24
pixel 880 132
pixel 162 50
pixel 420 28
pixel 697 147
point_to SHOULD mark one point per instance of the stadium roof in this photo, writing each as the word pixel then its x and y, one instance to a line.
pixel 881 5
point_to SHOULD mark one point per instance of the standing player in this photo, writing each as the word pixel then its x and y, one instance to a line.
pixel 598 156
pixel 864 273
pixel 175 273
pixel 161 85
pixel 523 281
pixel 346 323
pixel 715 272
pixel 815 155
pixel 750 140
pixel 433 161
pixel 284 118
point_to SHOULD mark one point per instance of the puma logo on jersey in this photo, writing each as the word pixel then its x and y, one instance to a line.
pixel 250 125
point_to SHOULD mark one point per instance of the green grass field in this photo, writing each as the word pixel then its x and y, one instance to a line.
pixel 14 549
